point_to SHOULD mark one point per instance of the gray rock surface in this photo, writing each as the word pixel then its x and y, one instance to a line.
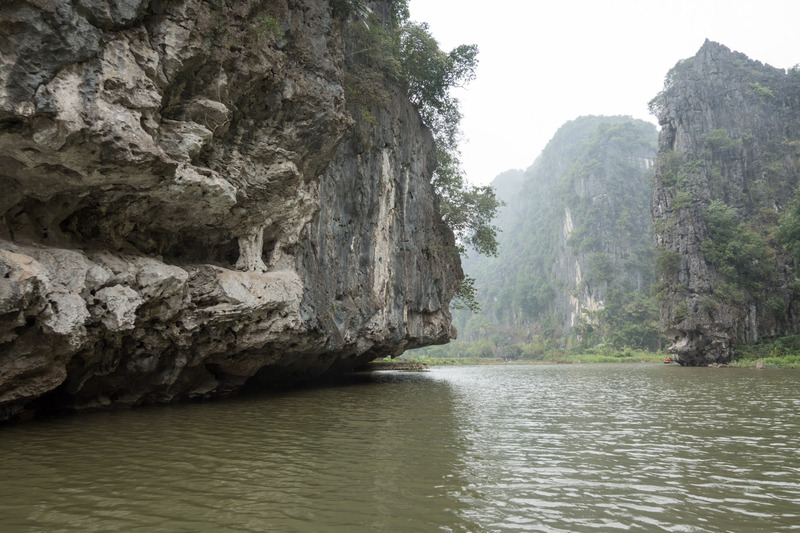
pixel 729 128
pixel 188 207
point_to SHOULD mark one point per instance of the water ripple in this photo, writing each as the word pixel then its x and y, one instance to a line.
pixel 481 449
pixel 640 448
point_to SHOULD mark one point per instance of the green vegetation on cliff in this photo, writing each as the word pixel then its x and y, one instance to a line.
pixel 726 229
pixel 399 52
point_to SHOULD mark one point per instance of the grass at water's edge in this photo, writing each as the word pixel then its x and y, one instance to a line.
pixel 783 353
pixel 778 352
pixel 769 362
pixel 555 357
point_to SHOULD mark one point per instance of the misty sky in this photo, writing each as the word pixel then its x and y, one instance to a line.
pixel 543 63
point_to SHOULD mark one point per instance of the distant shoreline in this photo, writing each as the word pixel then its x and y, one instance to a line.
pixel 778 362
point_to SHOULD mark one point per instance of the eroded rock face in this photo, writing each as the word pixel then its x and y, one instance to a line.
pixel 729 135
pixel 188 206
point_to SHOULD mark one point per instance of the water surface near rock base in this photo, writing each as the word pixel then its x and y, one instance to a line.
pixel 509 448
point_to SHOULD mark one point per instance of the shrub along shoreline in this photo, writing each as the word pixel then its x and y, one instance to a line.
pixel 778 352
pixel 549 357
pixel 782 352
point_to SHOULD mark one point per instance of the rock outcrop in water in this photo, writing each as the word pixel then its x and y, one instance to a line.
pixel 727 169
pixel 189 208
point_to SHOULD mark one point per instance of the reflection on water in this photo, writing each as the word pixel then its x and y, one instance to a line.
pixel 354 458
pixel 528 448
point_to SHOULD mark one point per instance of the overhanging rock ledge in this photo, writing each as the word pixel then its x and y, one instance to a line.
pixel 188 206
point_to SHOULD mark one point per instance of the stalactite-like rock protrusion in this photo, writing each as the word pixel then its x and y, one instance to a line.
pixel 251 246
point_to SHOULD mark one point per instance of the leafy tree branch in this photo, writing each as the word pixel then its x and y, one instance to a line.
pixel 407 54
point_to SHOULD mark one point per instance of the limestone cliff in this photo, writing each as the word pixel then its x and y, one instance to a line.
pixel 727 168
pixel 189 207
pixel 576 238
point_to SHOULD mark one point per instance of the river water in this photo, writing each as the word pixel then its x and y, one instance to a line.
pixel 492 448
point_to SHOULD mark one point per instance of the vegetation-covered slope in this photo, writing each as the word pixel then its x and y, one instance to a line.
pixel 576 254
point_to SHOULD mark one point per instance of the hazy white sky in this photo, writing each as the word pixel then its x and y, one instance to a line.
pixel 543 63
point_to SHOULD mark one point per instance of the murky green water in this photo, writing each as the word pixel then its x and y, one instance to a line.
pixel 528 448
